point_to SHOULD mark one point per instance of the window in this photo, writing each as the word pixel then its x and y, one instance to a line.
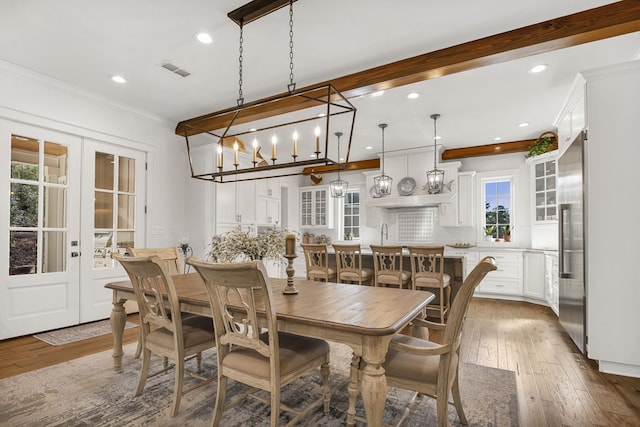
pixel 497 199
pixel 351 215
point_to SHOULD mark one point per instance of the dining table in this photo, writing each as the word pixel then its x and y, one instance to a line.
pixel 362 317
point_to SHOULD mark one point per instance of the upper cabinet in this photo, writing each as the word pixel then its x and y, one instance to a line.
pixel 316 207
pixel 459 211
pixel 572 119
pixel 269 187
pixel 544 180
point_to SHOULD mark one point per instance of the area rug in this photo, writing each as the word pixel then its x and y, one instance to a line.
pixel 87 392
pixel 78 333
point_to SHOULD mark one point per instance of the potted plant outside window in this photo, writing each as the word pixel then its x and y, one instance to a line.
pixel 506 233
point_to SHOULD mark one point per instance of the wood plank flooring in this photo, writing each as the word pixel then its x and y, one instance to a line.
pixel 557 385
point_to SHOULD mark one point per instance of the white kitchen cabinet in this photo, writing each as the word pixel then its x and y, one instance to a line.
pixel 269 187
pixel 551 280
pixel 236 202
pixel 267 210
pixel 459 212
pixel 544 184
pixel 507 279
pixel 316 207
pixel 534 275
pixel 572 119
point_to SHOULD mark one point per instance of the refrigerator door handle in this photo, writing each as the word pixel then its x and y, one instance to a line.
pixel 563 261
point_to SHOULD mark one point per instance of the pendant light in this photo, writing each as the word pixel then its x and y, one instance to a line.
pixel 435 177
pixel 338 186
pixel 383 182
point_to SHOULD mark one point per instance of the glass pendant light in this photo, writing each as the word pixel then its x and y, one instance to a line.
pixel 435 177
pixel 383 182
pixel 338 186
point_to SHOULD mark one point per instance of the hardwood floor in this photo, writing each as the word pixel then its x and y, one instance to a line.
pixel 557 385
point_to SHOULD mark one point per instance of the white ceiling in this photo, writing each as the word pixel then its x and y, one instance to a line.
pixel 83 42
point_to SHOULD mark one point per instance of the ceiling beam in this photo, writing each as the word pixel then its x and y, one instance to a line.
pixel 488 150
pixel 583 27
pixel 351 166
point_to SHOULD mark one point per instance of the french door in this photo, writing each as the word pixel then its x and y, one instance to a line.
pixel 70 203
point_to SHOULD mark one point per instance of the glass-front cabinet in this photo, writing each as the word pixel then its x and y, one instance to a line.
pixel 316 207
pixel 544 188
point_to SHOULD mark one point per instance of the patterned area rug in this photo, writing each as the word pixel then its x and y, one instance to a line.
pixel 87 392
pixel 78 333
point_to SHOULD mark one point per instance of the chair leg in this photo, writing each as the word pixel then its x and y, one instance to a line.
pixel 139 346
pixel 352 389
pixel 441 304
pixel 275 403
pixel 220 397
pixel 144 371
pixel 177 387
pixel 326 392
pixel 455 391
pixel 442 403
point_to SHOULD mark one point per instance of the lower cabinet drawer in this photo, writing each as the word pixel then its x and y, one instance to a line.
pixel 506 270
pixel 500 286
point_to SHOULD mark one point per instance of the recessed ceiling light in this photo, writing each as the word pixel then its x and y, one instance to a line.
pixel 204 38
pixel 413 95
pixel 523 124
pixel 118 79
pixel 368 147
pixel 438 137
pixel 378 93
pixel 253 130
pixel 322 114
pixel 341 159
pixel 497 138
pixel 538 68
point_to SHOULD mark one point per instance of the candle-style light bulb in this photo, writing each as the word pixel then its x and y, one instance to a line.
pixel 317 139
pixel 274 141
pixel 235 153
pixel 220 156
pixel 255 150
pixel 295 144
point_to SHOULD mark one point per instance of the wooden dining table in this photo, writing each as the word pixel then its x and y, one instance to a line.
pixel 362 317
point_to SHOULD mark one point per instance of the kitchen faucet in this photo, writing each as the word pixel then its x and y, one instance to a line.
pixel 384 232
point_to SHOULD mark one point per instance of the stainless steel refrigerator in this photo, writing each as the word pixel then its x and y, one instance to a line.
pixel 572 295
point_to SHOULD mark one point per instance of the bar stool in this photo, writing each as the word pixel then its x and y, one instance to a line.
pixel 349 264
pixel 316 258
pixel 387 265
pixel 427 273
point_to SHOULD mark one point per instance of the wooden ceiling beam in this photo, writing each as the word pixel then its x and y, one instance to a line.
pixel 351 166
pixel 488 150
pixel 603 22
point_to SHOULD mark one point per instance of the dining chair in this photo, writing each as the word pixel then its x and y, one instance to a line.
pixel 316 258
pixel 250 348
pixel 427 273
pixel 387 266
pixel 171 260
pixel 349 264
pixel 431 368
pixel 165 331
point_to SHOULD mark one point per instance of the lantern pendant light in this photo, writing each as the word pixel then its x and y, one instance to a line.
pixel 435 177
pixel 383 182
pixel 338 186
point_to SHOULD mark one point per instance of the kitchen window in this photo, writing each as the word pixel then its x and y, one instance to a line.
pixel 351 215
pixel 497 199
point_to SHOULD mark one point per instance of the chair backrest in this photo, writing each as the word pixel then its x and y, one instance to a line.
pixel 236 291
pixel 316 258
pixel 460 304
pixel 155 294
pixel 170 257
pixel 427 264
pixel 348 258
pixel 387 260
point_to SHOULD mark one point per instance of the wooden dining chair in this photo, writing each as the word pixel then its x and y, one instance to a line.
pixel 432 368
pixel 349 264
pixel 164 330
pixel 171 260
pixel 427 273
pixel 250 348
pixel 387 266
pixel 316 258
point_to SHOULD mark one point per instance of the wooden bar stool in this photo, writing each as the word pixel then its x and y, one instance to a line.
pixel 349 264
pixel 427 273
pixel 387 265
pixel 316 258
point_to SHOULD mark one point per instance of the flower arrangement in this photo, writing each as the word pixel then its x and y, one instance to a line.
pixel 238 245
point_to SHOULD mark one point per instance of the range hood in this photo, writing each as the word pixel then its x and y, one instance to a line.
pixel 420 200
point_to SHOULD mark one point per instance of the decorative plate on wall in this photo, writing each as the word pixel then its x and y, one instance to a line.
pixel 406 186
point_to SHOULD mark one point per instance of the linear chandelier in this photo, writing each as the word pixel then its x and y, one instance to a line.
pixel 282 142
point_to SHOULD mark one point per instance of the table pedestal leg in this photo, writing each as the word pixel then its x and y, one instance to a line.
pixel 118 320
pixel 374 383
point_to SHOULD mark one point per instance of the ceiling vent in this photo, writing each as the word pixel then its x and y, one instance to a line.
pixel 179 71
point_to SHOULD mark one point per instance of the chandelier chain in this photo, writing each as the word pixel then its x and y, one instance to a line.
pixel 292 85
pixel 240 59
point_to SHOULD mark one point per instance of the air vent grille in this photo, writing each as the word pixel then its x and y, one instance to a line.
pixel 174 69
